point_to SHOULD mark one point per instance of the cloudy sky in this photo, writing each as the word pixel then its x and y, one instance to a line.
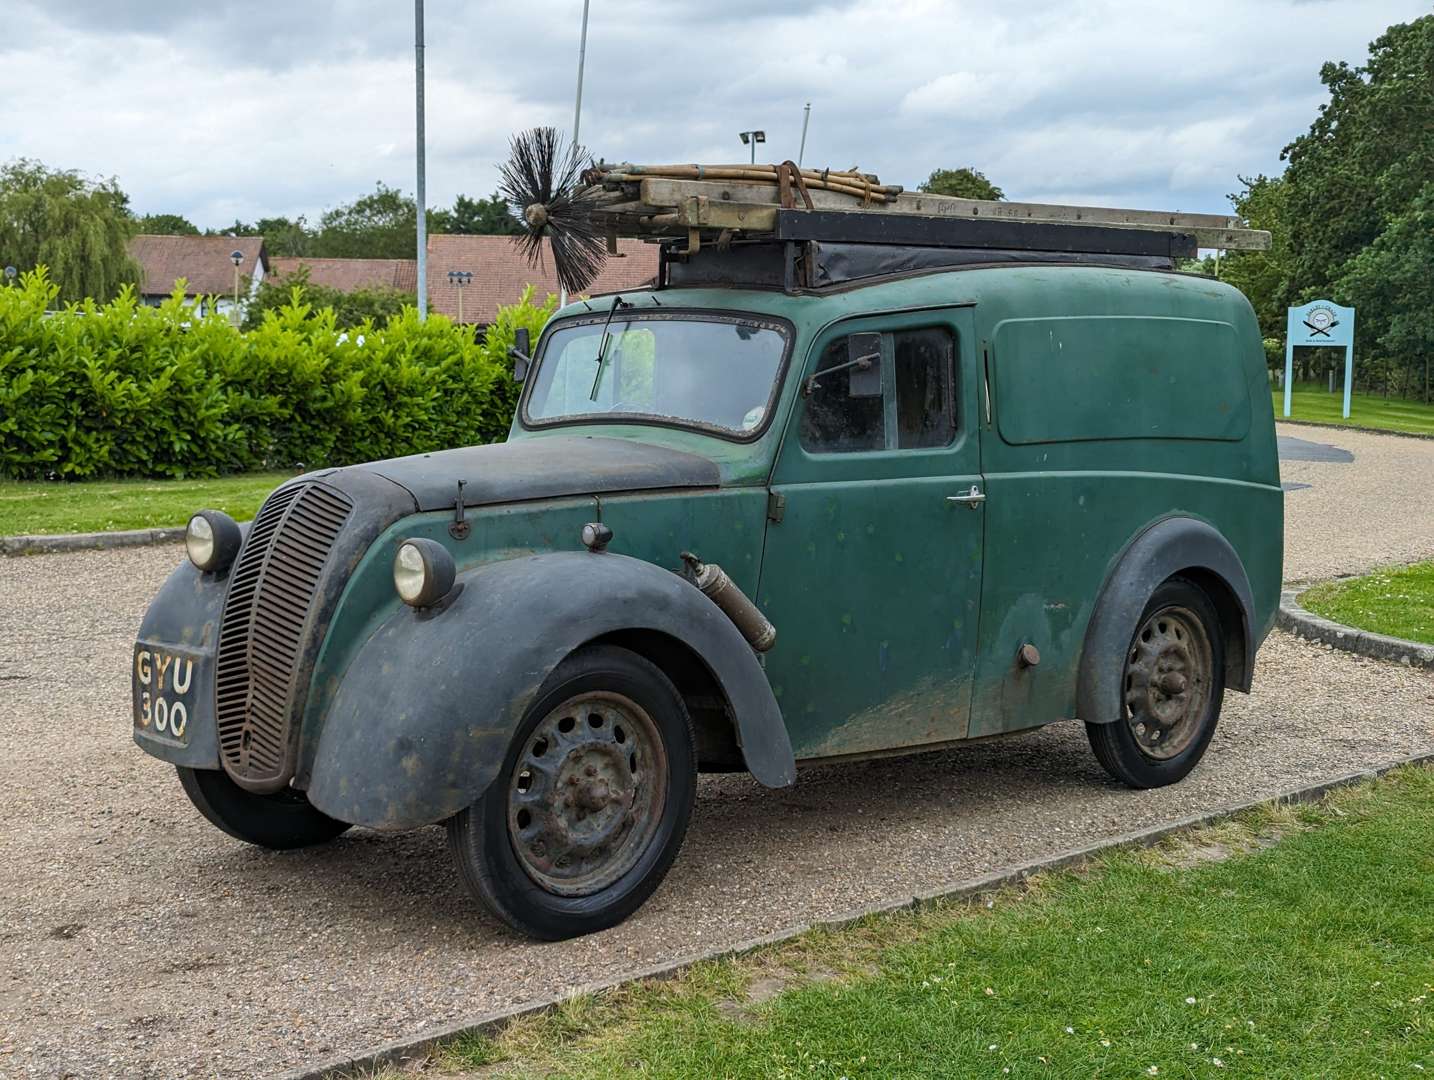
pixel 227 109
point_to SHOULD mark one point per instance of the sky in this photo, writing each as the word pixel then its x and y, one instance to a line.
pixel 228 110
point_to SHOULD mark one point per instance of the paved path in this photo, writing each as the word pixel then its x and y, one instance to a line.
pixel 137 941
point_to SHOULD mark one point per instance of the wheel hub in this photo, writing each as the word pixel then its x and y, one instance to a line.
pixel 1167 681
pixel 587 793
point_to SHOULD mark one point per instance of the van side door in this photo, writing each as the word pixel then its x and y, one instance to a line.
pixel 872 575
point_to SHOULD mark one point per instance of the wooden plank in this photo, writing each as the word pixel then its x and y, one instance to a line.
pixel 732 201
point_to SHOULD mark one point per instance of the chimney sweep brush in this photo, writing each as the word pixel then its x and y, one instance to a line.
pixel 542 184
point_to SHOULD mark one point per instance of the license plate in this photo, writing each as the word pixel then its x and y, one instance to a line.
pixel 164 691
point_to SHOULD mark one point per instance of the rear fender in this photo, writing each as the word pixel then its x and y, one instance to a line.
pixel 426 710
pixel 1176 545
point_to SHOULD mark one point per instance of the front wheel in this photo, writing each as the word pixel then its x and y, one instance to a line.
pixel 281 821
pixel 587 814
pixel 1174 685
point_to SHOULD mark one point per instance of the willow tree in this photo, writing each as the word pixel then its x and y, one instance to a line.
pixel 78 227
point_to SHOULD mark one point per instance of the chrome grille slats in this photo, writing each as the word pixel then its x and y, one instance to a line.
pixel 261 635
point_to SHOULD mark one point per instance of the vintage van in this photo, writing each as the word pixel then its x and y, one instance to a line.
pixel 738 526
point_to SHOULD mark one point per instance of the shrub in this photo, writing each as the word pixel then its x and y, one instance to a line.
pixel 121 389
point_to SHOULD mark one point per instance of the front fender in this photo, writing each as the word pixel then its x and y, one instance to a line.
pixel 1170 546
pixel 424 714
pixel 185 613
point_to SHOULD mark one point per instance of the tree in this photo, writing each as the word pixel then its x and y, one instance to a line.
pixel 350 309
pixel 380 225
pixel 1263 276
pixel 1365 157
pixel 477 217
pixel 284 237
pixel 166 225
pixel 79 228
pixel 1391 284
pixel 966 183
pixel 239 228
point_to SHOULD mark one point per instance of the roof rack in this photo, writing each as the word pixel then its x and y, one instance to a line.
pixel 805 228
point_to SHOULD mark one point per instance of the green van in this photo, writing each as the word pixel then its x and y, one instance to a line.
pixel 738 525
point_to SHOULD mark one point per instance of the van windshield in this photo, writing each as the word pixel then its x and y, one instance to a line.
pixel 705 371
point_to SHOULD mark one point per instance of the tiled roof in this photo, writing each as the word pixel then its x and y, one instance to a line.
pixel 346 275
pixel 501 271
pixel 203 261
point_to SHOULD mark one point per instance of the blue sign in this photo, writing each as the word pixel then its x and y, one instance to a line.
pixel 1320 322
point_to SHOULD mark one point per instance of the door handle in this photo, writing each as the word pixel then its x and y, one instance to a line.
pixel 973 498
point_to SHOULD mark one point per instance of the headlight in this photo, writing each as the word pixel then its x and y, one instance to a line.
pixel 423 572
pixel 212 540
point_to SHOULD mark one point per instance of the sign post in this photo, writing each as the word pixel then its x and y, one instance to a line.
pixel 1320 322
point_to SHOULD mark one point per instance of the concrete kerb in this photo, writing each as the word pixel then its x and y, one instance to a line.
pixel 98 541
pixel 1306 624
pixel 1352 427
pixel 414 1050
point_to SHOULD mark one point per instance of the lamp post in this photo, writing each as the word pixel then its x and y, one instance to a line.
pixel 10 273
pixel 236 257
pixel 752 138
pixel 577 110
pixel 421 193
pixel 459 279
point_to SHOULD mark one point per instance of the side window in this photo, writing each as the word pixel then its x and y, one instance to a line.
pixel 915 410
pixel 925 395
pixel 834 421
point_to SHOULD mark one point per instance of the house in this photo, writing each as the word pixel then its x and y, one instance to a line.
pixel 349 275
pixel 500 272
pixel 206 265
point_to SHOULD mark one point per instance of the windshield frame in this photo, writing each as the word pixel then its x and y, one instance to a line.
pixel 599 315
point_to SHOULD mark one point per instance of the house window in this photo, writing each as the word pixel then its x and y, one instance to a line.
pixel 915 408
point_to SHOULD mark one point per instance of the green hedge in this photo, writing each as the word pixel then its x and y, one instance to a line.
pixel 121 389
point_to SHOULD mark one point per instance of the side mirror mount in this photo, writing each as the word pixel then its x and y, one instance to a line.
pixel 863 356
pixel 862 365
pixel 522 361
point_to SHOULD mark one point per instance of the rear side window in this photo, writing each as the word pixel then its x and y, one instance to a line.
pixel 914 409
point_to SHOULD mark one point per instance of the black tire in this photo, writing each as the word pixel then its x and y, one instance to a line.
pixel 282 821
pixel 1167 645
pixel 628 822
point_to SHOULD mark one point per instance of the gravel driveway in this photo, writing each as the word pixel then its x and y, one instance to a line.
pixel 135 940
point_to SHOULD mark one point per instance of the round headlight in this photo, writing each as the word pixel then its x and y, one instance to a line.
pixel 423 572
pixel 212 540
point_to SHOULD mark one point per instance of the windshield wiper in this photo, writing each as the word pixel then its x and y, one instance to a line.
pixel 601 357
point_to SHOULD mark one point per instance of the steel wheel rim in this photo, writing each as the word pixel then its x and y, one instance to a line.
pixel 587 793
pixel 1168 676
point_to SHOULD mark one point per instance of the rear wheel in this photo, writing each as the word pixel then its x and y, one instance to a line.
pixel 592 803
pixel 280 821
pixel 1174 685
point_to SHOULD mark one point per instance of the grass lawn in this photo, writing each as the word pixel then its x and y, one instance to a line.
pixel 30 507
pixel 1293 942
pixel 1398 602
pixel 1313 402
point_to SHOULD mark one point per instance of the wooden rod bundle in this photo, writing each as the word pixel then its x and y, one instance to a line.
pixel 856 184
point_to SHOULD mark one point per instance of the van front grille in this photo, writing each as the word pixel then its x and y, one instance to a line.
pixel 261 635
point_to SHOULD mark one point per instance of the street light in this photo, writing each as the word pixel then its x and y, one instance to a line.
pixel 10 273
pixel 236 257
pixel 752 138
pixel 458 279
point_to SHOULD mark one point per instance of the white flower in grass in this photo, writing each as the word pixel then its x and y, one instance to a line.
pixel 1154 1070
pixel 1217 1063
pixel 1070 1031
pixel 1190 1001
